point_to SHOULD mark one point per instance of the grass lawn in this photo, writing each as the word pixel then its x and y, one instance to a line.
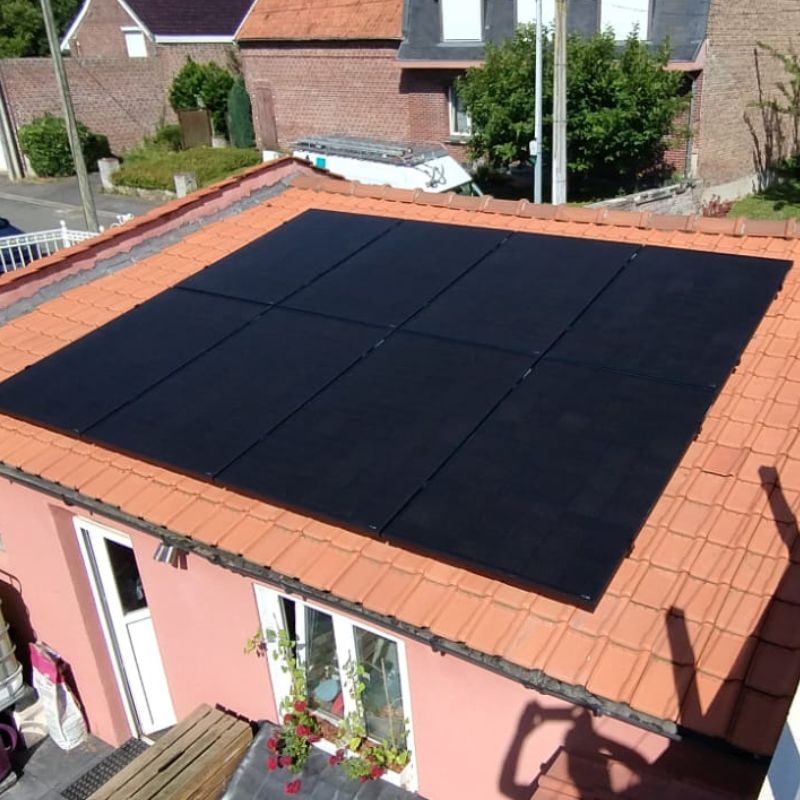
pixel 781 201
pixel 153 167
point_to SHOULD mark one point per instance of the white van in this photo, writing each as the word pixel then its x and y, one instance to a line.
pixel 402 166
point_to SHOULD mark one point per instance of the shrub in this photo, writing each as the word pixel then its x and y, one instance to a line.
pixel 168 137
pixel 203 86
pixel 153 168
pixel 46 144
pixel 240 117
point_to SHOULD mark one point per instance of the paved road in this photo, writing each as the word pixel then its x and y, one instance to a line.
pixel 40 205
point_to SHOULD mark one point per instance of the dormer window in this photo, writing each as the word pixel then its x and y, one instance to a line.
pixel 462 20
pixel 135 43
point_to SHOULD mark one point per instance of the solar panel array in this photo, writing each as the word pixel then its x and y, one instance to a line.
pixel 511 402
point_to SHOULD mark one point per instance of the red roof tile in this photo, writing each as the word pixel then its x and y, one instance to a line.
pixel 323 19
pixel 689 631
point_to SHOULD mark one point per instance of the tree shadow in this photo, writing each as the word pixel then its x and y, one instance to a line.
pixel 16 614
pixel 769 142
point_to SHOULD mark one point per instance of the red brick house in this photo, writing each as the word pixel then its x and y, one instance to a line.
pixel 386 69
pixel 676 683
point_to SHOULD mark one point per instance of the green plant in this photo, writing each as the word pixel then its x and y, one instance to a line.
pixel 168 137
pixel 154 167
pixel 22 26
pixel 203 86
pixel 290 744
pixel 240 118
pixel 256 643
pixel 789 105
pixel 46 144
pixel 622 105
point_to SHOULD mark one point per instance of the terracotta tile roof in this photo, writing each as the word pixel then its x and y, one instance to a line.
pixel 323 19
pixel 697 627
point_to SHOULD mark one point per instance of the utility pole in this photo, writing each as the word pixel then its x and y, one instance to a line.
pixel 89 211
pixel 560 105
pixel 537 126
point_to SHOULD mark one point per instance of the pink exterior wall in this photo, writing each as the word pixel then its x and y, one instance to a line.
pixel 477 734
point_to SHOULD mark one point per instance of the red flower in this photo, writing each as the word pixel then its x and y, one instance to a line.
pixel 272 763
pixel 293 787
pixel 285 761
pixel 300 706
pixel 302 730
pixel 371 758
pixel 333 760
pixel 364 778
pixel 272 743
pixel 314 738
pixel 287 718
pixel 376 771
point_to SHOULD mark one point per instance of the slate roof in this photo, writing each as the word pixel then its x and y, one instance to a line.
pixel 191 17
pixel 323 19
pixel 698 627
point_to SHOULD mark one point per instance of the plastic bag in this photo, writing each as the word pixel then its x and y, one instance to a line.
pixel 65 722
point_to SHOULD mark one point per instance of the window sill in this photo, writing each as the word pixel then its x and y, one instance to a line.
pixel 458 138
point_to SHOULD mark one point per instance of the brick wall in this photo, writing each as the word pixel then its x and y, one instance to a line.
pixel 123 98
pixel 330 89
pixel 727 149
pixel 429 108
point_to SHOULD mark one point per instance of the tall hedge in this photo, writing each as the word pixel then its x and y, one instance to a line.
pixel 46 144
pixel 240 116
pixel 203 86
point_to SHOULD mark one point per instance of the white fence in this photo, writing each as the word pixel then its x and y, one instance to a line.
pixel 17 251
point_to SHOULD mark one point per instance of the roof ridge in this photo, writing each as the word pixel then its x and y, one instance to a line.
pixel 642 220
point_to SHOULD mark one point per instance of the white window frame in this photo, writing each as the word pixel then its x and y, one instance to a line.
pixel 456 10
pixel 451 107
pixel 270 613
pixel 128 33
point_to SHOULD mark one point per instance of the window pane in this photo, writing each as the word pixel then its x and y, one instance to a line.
pixel 461 20
pixel 322 670
pixel 126 577
pixel 382 698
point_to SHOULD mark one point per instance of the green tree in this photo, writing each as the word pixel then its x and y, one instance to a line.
pixel 203 85
pixel 22 27
pixel 789 91
pixel 622 105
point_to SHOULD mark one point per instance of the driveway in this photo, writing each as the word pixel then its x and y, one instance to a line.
pixel 41 204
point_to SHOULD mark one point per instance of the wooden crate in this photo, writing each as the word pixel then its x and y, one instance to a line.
pixel 192 761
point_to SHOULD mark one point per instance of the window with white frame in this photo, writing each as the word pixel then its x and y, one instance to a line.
pixel 334 653
pixel 135 43
pixel 526 12
pixel 460 122
pixel 462 20
pixel 624 15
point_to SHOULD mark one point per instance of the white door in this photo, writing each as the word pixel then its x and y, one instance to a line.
pixel 127 624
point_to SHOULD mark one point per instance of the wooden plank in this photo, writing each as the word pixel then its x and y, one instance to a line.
pixel 169 746
pixel 205 778
pixel 158 785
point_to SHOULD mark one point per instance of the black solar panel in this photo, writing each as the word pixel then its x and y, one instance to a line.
pixel 357 451
pixel 512 402
pixel 248 384
pixel 77 386
pixel 676 315
pixel 384 284
pixel 526 293
pixel 556 481
pixel 273 267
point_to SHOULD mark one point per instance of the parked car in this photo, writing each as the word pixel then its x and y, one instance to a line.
pixel 11 257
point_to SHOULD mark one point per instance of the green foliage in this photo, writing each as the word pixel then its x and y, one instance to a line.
pixel 203 86
pixel 240 117
pixel 22 26
pixel 621 104
pixel 789 91
pixel 168 137
pixel 154 167
pixel 46 144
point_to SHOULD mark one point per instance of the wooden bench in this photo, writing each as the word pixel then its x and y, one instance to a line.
pixel 192 761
